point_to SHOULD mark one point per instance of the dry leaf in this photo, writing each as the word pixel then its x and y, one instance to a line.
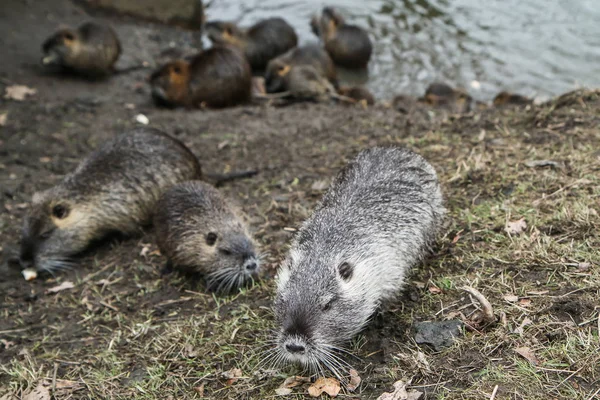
pixel 145 249
pixel 64 384
pixel 199 390
pixel 511 298
pixel 320 185
pixel 29 274
pixel 63 286
pixel 527 354
pixel 400 393
pixel 516 227
pixel 39 393
pixel 3 119
pixel 45 160
pixel 283 391
pixel 434 290
pixel 190 352
pixel 330 386
pixel 354 380
pixel 6 343
pixel 294 381
pixel 18 92
pixel 521 329
pixel 525 302
pixel 232 375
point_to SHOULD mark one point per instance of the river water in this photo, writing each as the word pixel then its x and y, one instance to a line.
pixel 538 48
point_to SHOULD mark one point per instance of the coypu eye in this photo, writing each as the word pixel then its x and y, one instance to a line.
pixel 327 306
pixel 225 252
pixel 68 36
pixel 177 69
pixel 345 271
pixel 60 211
pixel 211 238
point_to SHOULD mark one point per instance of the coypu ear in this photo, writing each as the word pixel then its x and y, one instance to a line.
pixel 283 70
pixel 346 270
pixel 211 238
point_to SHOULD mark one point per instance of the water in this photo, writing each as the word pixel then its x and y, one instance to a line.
pixel 538 48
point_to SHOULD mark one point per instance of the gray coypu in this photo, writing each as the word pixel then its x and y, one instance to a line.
pixel 442 95
pixel 312 55
pixel 507 98
pixel 378 219
pixel 114 189
pixel 199 231
pixel 218 77
pixel 348 45
pixel 260 43
pixel 91 50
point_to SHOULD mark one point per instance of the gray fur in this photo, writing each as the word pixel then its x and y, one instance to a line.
pixel 185 217
pixel 114 189
pixel 380 216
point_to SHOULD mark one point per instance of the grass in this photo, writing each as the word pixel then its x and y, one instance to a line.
pixel 125 331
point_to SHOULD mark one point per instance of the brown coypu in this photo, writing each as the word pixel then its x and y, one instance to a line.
pixel 348 45
pixel 218 77
pixel 312 54
pixel 198 231
pixel 90 50
pixel 260 43
pixel 506 98
pixel 114 189
pixel 445 96
pixel 360 94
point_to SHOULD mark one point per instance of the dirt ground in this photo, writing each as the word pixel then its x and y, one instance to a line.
pixel 126 331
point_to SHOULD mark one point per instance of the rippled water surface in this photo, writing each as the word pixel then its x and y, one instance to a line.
pixel 536 47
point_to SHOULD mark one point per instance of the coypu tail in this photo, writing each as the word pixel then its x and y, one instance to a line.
pixel 219 179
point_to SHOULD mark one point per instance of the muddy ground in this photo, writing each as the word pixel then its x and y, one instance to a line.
pixel 126 331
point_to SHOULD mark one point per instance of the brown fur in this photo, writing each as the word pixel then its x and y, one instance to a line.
pixel 507 98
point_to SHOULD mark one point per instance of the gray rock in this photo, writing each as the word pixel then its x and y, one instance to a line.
pixel 438 334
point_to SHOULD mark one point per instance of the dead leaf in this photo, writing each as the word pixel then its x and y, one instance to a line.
pixel 39 393
pixel 319 186
pixel 521 329
pixel 145 249
pixel 401 393
pixel 7 344
pixel 66 285
pixel 199 390
pixel 283 391
pixel 511 298
pixel 45 160
pixel 435 290
pixel 525 302
pixel 330 386
pixel 354 380
pixel 294 381
pixel 516 227
pixel 64 384
pixel 18 92
pixel 527 354
pixel 190 352
pixel 584 266
pixel 3 117
pixel 232 375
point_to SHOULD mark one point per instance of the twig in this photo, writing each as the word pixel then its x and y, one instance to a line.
pixel 488 311
pixel 493 396
pixel 54 379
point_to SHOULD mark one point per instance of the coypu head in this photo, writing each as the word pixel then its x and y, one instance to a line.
pixel 170 84
pixel 323 298
pixel 506 98
pixel 331 20
pixel 443 95
pixel 315 27
pixel 275 76
pixel 54 231
pixel 222 33
pixel 61 47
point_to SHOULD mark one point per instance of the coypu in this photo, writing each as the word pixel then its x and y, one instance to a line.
pixel 90 50
pixel 113 189
pixel 507 98
pixel 405 103
pixel 260 43
pixel 378 219
pixel 218 77
pixel 312 54
pixel 445 96
pixel 358 93
pixel 197 230
pixel 348 45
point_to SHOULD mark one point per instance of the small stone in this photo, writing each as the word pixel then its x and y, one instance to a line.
pixel 438 334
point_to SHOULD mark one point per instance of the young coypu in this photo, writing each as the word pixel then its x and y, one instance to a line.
pixel 313 55
pixel 378 219
pixel 348 45
pixel 507 98
pixel 445 96
pixel 91 50
pixel 260 43
pixel 114 189
pixel 218 77
pixel 358 93
pixel 196 229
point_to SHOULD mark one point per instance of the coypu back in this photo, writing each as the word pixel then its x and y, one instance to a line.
pixel 199 231
pixel 114 189
pixel 348 45
pixel 378 219
pixel 312 54
pixel 507 98
pixel 260 43
pixel 91 50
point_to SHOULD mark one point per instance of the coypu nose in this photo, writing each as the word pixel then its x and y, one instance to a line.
pixel 251 267
pixel 294 348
